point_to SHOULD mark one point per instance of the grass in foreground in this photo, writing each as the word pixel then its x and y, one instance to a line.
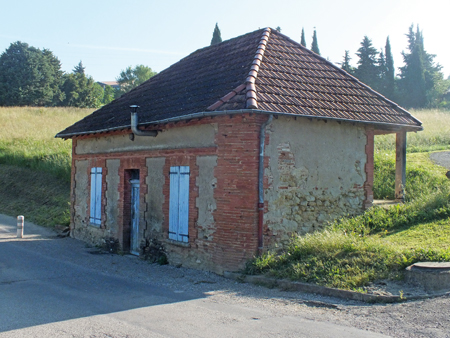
pixel 379 244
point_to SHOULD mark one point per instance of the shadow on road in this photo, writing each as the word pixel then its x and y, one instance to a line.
pixel 44 280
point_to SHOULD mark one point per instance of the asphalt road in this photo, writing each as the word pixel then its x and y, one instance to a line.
pixel 52 287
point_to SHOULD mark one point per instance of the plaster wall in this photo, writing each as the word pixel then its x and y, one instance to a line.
pixel 81 193
pixel 155 197
pixel 195 136
pixel 315 174
pixel 80 227
pixel 112 196
pixel 205 202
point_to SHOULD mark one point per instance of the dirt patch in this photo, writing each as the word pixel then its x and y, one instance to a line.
pixel 394 288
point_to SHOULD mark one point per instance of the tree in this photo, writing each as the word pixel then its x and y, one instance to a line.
pixel 80 90
pixel 303 41
pixel 367 70
pixel 79 68
pixel 132 77
pixel 216 38
pixel 390 72
pixel 108 94
pixel 315 45
pixel 278 29
pixel 345 64
pixel 29 76
pixel 421 81
pixel 380 86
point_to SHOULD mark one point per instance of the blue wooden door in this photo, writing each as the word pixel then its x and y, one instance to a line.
pixel 134 233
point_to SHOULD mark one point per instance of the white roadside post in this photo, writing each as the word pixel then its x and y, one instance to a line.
pixel 20 220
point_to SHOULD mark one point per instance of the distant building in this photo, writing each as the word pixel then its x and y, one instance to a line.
pixel 113 84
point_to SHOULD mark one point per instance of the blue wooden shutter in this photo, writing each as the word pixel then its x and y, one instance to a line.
pixel 96 196
pixel 179 204
pixel 183 205
pixel 173 202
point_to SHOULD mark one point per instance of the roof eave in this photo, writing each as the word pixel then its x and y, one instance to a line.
pixel 382 125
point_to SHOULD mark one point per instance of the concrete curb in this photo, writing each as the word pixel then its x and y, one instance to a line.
pixel 322 290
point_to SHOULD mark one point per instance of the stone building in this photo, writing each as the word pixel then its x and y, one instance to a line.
pixel 232 149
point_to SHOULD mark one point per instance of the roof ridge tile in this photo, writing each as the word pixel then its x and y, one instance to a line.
pixel 251 98
pixel 227 97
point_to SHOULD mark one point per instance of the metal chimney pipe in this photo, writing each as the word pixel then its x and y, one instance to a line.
pixel 134 124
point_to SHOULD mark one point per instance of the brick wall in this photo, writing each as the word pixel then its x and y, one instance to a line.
pixel 233 238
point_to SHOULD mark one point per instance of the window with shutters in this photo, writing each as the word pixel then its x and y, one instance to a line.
pixel 179 204
pixel 96 196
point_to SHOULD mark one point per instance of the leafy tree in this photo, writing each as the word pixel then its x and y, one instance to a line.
pixel 79 68
pixel 315 45
pixel 216 38
pixel 390 72
pixel 108 94
pixel 367 70
pixel 421 80
pixel 132 77
pixel 303 41
pixel 345 64
pixel 29 76
pixel 80 90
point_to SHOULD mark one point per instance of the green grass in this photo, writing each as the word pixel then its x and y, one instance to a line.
pixel 435 136
pixel 39 196
pixel 34 166
pixel 422 176
pixel 27 138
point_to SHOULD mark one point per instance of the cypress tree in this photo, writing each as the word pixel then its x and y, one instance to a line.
pixel 315 45
pixel 303 41
pixel 216 38
pixel 390 71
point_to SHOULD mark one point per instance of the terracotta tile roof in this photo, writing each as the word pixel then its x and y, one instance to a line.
pixel 264 71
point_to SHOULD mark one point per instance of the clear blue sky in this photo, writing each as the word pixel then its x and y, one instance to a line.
pixel 109 35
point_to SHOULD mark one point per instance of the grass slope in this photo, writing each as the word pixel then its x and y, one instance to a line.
pixel 34 166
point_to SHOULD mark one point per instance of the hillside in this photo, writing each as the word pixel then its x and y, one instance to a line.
pixel 34 166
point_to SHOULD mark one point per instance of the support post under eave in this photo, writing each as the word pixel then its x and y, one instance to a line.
pixel 400 165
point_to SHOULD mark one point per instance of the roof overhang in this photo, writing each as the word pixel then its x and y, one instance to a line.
pixel 383 127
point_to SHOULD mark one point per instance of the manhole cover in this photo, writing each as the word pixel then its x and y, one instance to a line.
pixel 437 266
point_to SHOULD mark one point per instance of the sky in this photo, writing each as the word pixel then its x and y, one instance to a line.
pixel 110 35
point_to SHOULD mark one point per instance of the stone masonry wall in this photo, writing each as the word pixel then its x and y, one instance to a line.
pixel 316 173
